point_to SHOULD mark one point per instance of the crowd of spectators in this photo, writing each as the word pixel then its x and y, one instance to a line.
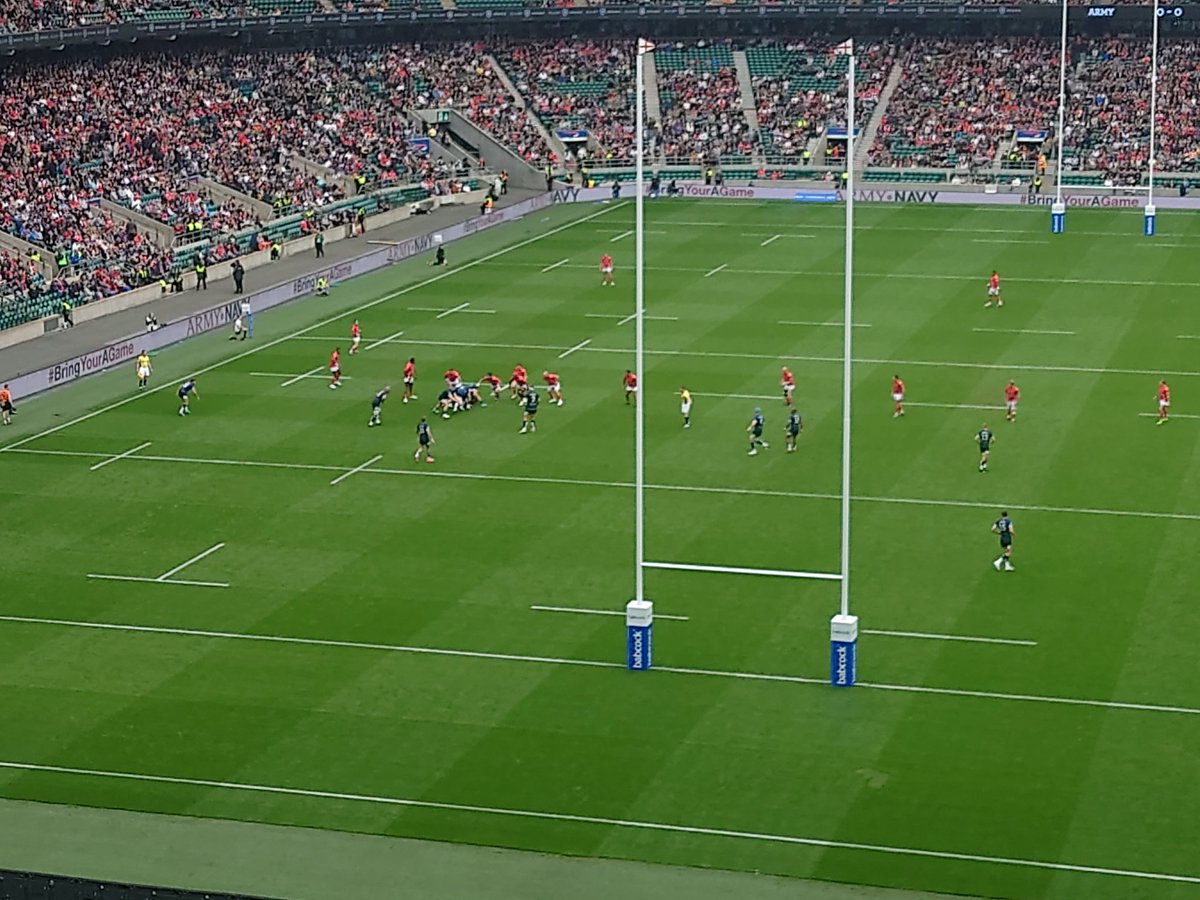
pixel 580 85
pixel 797 104
pixel 958 103
pixel 703 116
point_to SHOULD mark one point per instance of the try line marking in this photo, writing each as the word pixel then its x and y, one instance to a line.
pixel 682 488
pixel 598 664
pixel 579 819
pixel 623 234
pixel 1019 331
pixel 452 310
pixel 1171 416
pixel 294 377
pixel 955 405
pixel 949 637
pixel 742 570
pixel 823 324
pixel 600 612
pixel 166 577
pixel 374 459
pixel 113 459
pixel 321 324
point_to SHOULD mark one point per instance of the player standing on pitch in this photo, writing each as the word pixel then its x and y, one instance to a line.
pixel 898 396
pixel 994 290
pixel 1164 402
pixel 755 430
pixel 1012 395
pixel 606 270
pixel 984 438
pixel 1004 527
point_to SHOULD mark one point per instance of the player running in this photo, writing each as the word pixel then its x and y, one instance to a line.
pixel 898 396
pixel 553 387
pixel 187 390
pixel 6 406
pixel 984 438
pixel 1004 527
pixel 994 290
pixel 793 428
pixel 410 378
pixel 606 270
pixel 143 370
pixel 1164 402
pixel 685 406
pixel 492 381
pixel 630 382
pixel 377 406
pixel 787 381
pixel 335 368
pixel 1012 395
pixel 355 337
pixel 755 430
pixel 518 382
pixel 528 422
pixel 425 441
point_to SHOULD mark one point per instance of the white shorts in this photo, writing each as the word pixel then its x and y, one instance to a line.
pixel 685 408
pixel 1010 405
pixel 554 388
pixel 356 339
pixel 993 292
pixel 335 369
pixel 788 388
pixel 631 390
pixel 899 398
pixel 143 372
pixel 408 379
pixel 607 270
pixel 1163 404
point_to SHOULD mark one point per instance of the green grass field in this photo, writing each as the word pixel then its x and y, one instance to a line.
pixel 374 664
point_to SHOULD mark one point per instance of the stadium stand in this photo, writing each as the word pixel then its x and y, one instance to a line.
pixel 702 115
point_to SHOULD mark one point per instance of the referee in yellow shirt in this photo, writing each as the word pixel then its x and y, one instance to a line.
pixel 685 406
pixel 143 369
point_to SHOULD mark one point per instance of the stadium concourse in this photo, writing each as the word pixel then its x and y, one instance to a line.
pixel 115 173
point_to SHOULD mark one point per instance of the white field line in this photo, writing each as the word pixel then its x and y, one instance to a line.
pixel 362 468
pixel 740 570
pixel 598 664
pixel 578 346
pixel 950 637
pixel 822 324
pixel 956 405
pixel 286 375
pixel 452 310
pixel 321 324
pixel 382 341
pixel 719 268
pixel 630 318
pixel 739 396
pixel 701 354
pixel 885 227
pixel 1021 331
pixel 309 374
pixel 680 488
pixel 1188 337
pixel 183 581
pixel 917 276
pixel 600 612
pixel 1171 416
pixel 578 819
pixel 772 239
pixel 623 234
pixel 195 559
pixel 1005 241
pixel 553 266
pixel 113 459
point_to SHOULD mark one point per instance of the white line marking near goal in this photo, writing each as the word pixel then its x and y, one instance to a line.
pixel 1005 241
pixel 1021 331
pixel 287 374
pixel 578 346
pixel 774 236
pixel 739 570
pixel 606 822
pixel 452 310
pixel 553 266
pixel 955 405
pixel 374 459
pixel 182 581
pixel 823 324
pixel 630 318
pixel 772 239
pixel 309 374
pixel 600 612
pixel 382 341
pixel 950 637
pixel 113 459
pixel 1188 337
pixel 1171 416
pixel 680 488
pixel 195 559
pixel 166 577
pixel 738 396
pixel 623 234
pixel 713 272
pixel 321 324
